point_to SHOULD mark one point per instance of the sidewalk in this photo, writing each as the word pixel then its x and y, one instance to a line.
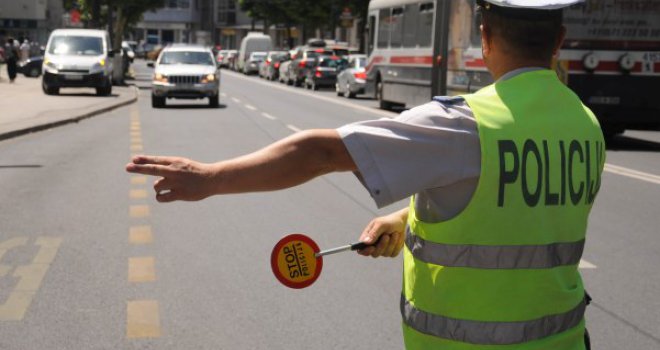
pixel 24 108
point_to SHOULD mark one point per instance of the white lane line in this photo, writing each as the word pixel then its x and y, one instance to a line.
pixel 250 107
pixel 372 110
pixel 295 129
pixel 235 100
pixel 586 265
pixel 632 173
pixel 268 116
pixel 222 94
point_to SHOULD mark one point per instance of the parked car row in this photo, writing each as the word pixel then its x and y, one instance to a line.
pixel 315 65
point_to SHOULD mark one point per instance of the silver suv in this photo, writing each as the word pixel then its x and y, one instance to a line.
pixel 186 72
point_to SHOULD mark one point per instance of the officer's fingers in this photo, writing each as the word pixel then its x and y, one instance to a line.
pixel 399 245
pixel 381 246
pixel 389 250
pixel 162 184
pixel 368 235
pixel 166 196
pixel 148 169
pixel 158 160
pixel 366 251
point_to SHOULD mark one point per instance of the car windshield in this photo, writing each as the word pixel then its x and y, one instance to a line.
pixel 186 57
pixel 331 63
pixel 258 56
pixel 76 45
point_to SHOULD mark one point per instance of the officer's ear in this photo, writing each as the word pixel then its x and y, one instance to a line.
pixel 485 40
pixel 560 41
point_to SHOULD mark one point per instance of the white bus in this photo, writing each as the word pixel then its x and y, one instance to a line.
pixel 611 56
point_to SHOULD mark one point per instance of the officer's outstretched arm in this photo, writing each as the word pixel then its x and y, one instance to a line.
pixel 283 164
pixel 391 231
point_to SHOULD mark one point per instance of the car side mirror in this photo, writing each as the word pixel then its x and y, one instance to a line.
pixel 150 64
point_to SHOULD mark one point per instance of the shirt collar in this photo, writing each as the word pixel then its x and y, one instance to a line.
pixel 519 71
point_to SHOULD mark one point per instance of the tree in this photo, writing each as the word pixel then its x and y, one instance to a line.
pixel 118 15
pixel 311 15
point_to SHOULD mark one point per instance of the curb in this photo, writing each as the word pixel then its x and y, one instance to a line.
pixel 76 119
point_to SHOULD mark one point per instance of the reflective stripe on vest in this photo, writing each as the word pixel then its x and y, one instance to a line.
pixel 490 333
pixel 495 257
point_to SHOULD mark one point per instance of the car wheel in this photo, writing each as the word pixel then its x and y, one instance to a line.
pixel 105 90
pixel 157 102
pixel 50 90
pixel 213 101
pixel 379 92
pixel 349 94
pixel 338 90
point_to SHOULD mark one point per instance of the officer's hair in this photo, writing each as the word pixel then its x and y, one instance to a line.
pixel 527 34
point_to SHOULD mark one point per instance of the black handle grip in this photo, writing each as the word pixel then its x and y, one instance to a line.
pixel 362 245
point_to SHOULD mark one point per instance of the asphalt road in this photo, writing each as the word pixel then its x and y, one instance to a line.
pixel 91 261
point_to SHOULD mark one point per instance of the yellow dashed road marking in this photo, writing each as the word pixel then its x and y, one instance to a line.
pixel 142 269
pixel 142 319
pixel 137 194
pixel 140 235
pixel 138 180
pixel 136 147
pixel 139 211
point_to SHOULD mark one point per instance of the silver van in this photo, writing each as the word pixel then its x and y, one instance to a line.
pixel 254 41
pixel 78 58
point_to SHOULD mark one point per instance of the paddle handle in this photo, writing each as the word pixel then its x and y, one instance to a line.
pixel 354 246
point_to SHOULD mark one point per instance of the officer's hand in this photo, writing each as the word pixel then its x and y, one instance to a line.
pixel 179 178
pixel 391 231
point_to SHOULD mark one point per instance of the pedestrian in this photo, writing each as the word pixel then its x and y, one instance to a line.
pixel 2 60
pixel 501 183
pixel 25 50
pixel 11 59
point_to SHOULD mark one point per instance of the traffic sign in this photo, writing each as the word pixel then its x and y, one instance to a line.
pixel 294 261
pixel 297 261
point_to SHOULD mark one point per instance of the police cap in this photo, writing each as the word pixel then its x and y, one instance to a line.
pixel 530 9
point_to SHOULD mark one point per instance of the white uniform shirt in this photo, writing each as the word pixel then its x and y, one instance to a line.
pixel 432 150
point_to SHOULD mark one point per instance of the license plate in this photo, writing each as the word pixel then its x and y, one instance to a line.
pixel 73 77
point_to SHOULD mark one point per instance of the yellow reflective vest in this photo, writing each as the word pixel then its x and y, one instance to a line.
pixel 503 274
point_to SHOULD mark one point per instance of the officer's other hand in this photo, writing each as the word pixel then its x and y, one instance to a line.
pixel 179 178
pixel 391 231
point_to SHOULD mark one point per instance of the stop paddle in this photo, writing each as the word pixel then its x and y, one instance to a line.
pixel 297 261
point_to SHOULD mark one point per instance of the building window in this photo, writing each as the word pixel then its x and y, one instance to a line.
pixel 227 12
pixel 180 4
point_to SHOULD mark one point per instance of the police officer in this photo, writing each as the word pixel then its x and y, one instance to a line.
pixel 502 182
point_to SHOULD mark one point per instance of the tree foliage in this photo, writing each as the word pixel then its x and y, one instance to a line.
pixel 311 15
pixel 125 13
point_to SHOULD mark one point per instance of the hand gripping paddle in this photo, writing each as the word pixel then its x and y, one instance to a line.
pixel 297 261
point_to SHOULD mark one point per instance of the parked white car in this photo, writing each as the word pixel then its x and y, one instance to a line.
pixel 185 72
pixel 352 80
pixel 78 58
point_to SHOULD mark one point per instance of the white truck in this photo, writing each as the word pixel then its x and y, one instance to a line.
pixel 253 42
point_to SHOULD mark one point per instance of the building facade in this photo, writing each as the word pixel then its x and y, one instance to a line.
pixel 220 23
pixel 177 22
pixel 30 19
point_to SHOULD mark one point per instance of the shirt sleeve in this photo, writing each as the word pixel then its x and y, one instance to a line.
pixel 430 146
